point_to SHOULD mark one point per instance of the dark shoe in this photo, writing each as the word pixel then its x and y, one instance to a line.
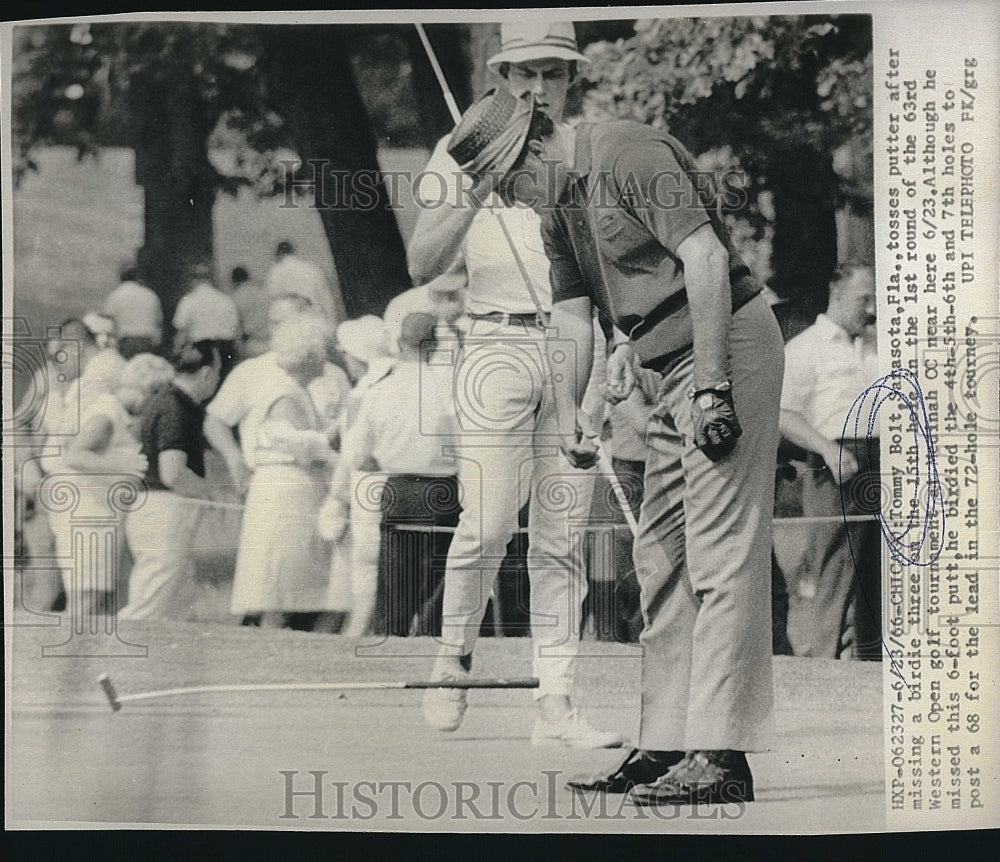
pixel 701 777
pixel 640 767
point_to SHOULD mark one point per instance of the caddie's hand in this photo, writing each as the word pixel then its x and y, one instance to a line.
pixel 716 428
pixel 580 451
pixel 620 374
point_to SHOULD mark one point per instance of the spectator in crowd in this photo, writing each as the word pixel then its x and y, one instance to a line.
pixel 252 302
pixel 137 313
pixel 84 363
pixel 345 518
pixel 79 365
pixel 161 531
pixel 36 417
pixel 365 347
pixel 205 313
pixel 406 425
pixel 508 307
pixel 281 570
pixel 106 448
pixel 443 297
pixel 292 274
pixel 238 403
pixel 829 365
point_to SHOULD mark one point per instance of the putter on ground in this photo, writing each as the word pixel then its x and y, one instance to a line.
pixel 115 700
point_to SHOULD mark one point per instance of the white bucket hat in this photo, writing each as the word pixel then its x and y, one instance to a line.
pixel 522 42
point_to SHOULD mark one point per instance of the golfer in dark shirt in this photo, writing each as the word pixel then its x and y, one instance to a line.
pixel 630 228
pixel 161 530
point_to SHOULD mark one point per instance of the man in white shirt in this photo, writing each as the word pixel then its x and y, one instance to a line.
pixel 138 315
pixel 406 425
pixel 827 367
pixel 509 449
pixel 205 313
pixel 295 275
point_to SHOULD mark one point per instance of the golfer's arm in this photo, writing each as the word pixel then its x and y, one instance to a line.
pixel 573 338
pixel 593 407
pixel 706 278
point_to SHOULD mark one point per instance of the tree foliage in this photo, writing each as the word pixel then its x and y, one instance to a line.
pixel 745 81
pixel 774 96
pixel 207 108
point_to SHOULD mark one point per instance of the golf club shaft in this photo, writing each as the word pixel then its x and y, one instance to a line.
pixel 116 700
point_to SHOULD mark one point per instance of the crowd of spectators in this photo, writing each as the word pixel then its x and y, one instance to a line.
pixel 333 437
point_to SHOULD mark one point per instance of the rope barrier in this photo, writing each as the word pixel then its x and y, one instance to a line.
pixel 430 528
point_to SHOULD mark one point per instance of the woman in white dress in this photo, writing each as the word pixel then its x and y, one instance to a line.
pixel 282 567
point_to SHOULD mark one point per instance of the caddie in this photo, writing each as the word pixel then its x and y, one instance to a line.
pixel 509 447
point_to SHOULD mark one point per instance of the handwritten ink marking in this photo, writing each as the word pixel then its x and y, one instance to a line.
pixel 901 386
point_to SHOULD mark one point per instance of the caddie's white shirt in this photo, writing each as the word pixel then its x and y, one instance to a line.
pixel 495 281
pixel 205 313
pixel 137 311
pixel 825 371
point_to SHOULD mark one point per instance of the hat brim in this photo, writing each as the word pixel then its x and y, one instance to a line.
pixel 535 52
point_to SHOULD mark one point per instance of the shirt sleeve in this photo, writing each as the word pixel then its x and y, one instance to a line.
pixel 661 193
pixel 564 271
pixel 168 433
pixel 440 181
pixel 230 404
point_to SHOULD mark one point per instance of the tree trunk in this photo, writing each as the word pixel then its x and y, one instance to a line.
pixel 313 88
pixel 169 137
pixel 484 42
pixel 804 249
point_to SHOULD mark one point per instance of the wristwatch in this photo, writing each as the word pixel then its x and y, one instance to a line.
pixel 704 396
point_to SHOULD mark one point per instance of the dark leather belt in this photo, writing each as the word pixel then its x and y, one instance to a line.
pixel 532 318
pixel 671 305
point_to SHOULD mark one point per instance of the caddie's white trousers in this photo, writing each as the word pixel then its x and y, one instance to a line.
pixel 509 451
